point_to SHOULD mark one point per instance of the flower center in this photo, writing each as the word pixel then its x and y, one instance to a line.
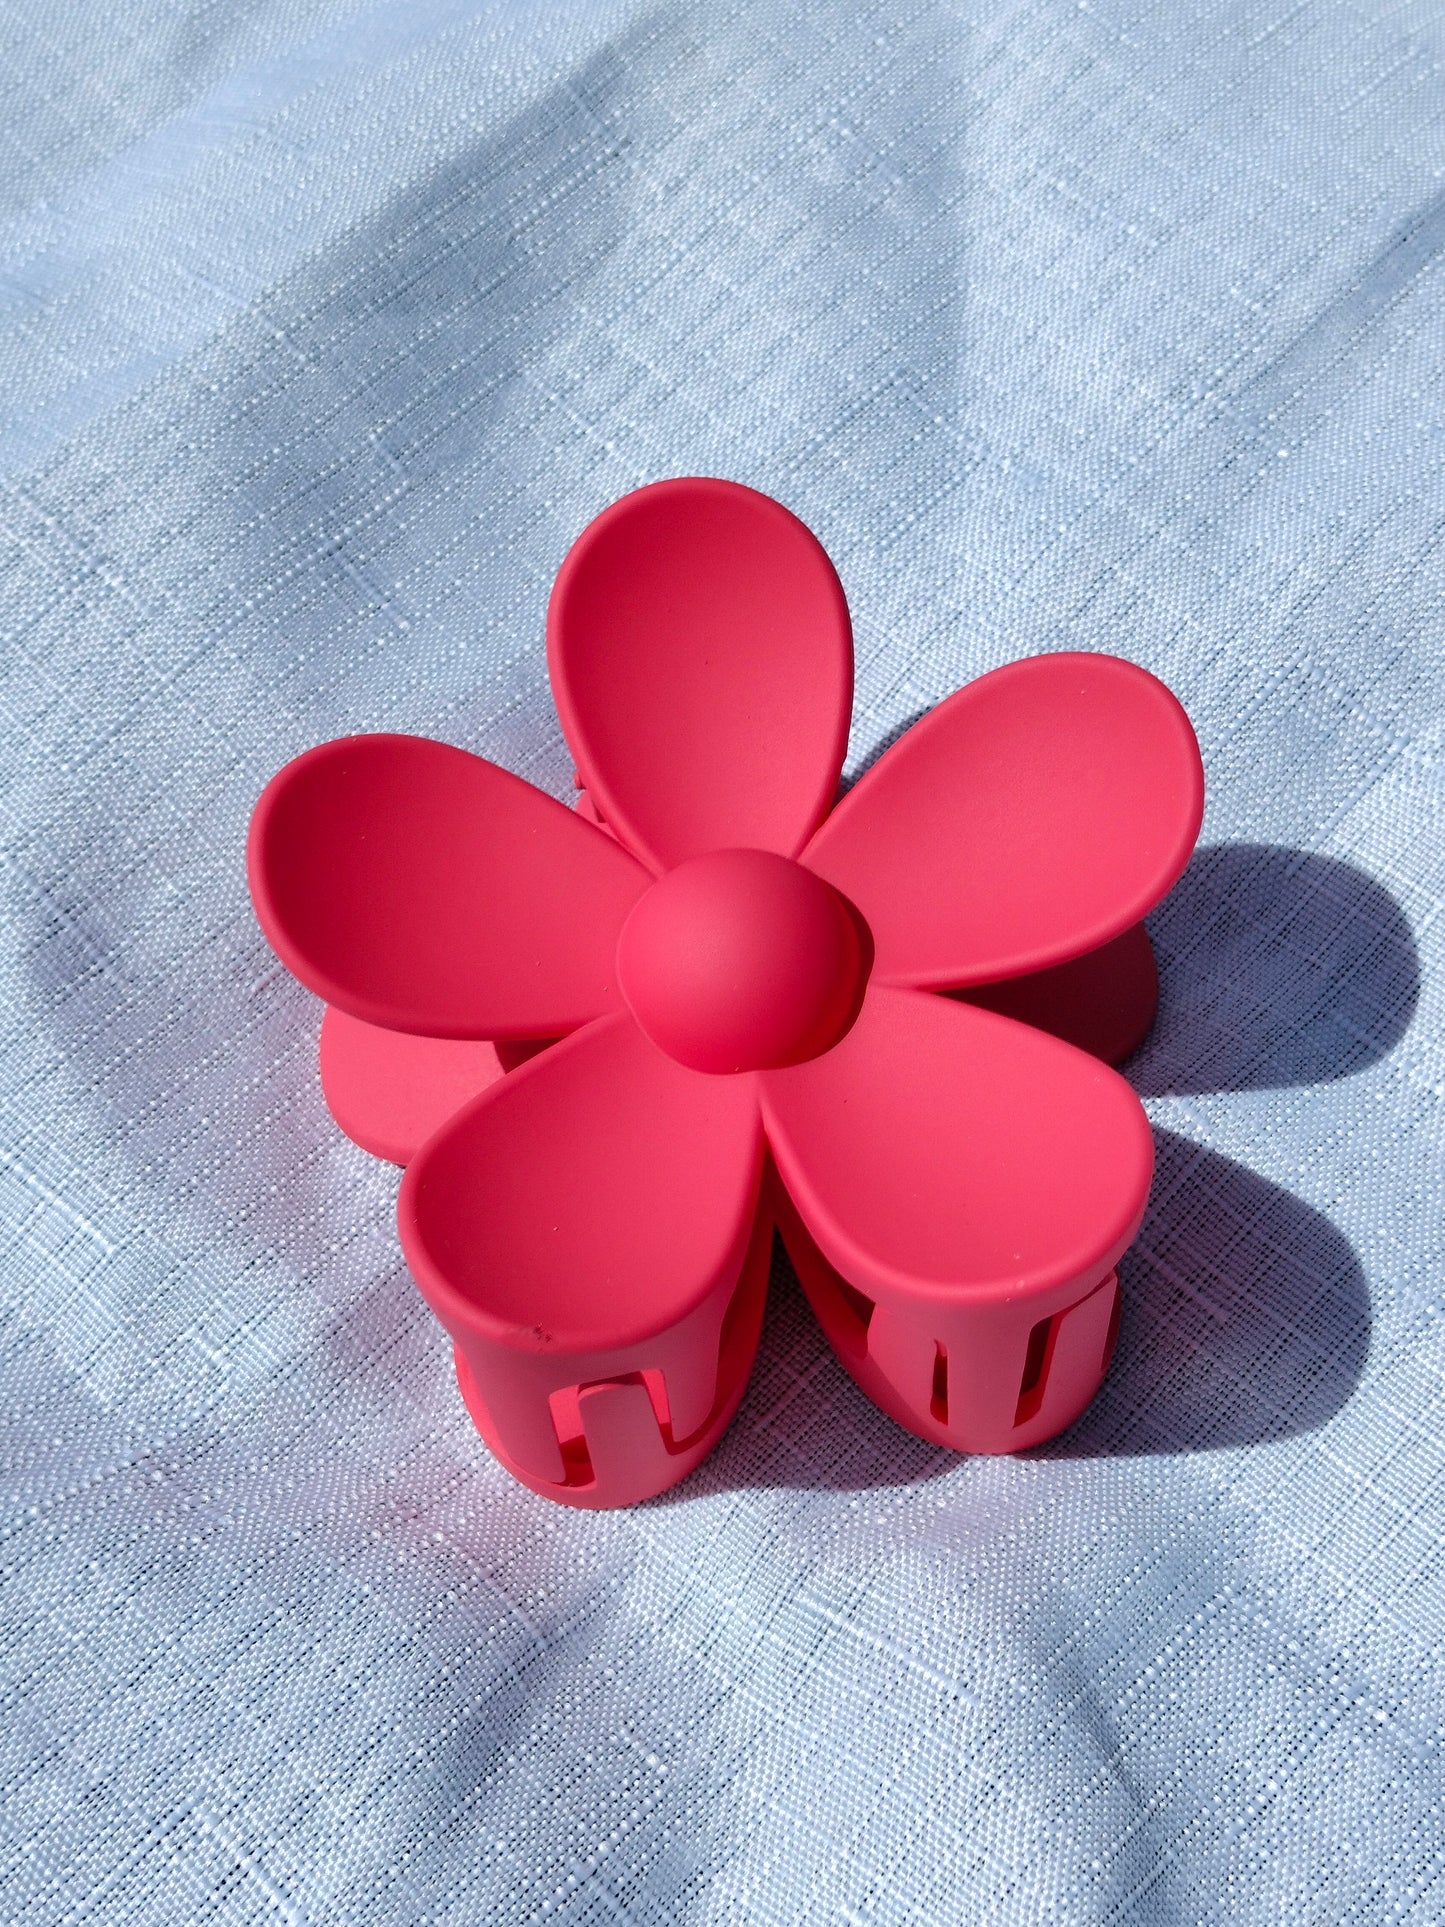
pixel 740 960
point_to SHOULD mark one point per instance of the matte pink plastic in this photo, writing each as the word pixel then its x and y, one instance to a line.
pixel 739 960
pixel 941 1151
pixel 390 1089
pixel 743 990
pixel 423 889
pixel 702 662
pixel 969 1178
pixel 1037 813
pixel 580 1225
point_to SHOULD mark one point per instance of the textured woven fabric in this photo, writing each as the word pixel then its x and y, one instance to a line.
pixel 324 327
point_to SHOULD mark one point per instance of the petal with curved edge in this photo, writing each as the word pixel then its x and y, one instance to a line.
pixel 390 1089
pixel 420 888
pixel 1033 816
pixel 585 1223
pixel 702 661
pixel 959 1189
pixel 939 1148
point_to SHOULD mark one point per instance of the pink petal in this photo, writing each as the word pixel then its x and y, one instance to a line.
pixel 585 1222
pixel 702 662
pixel 941 1146
pixel 964 1178
pixel 420 888
pixel 390 1089
pixel 1035 815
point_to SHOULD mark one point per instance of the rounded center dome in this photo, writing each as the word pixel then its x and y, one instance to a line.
pixel 740 960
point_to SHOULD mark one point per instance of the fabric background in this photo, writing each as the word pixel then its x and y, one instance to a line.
pixel 324 327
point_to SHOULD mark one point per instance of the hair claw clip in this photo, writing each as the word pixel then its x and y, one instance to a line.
pixel 743 983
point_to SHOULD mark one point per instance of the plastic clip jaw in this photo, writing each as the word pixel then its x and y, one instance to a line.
pixel 610 1431
pixel 987 1378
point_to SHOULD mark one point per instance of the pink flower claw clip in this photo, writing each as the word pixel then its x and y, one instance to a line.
pixel 744 982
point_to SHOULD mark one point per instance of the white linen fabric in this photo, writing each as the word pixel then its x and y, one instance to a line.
pixel 324 328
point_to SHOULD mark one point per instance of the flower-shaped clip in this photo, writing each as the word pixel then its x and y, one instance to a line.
pixel 744 977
